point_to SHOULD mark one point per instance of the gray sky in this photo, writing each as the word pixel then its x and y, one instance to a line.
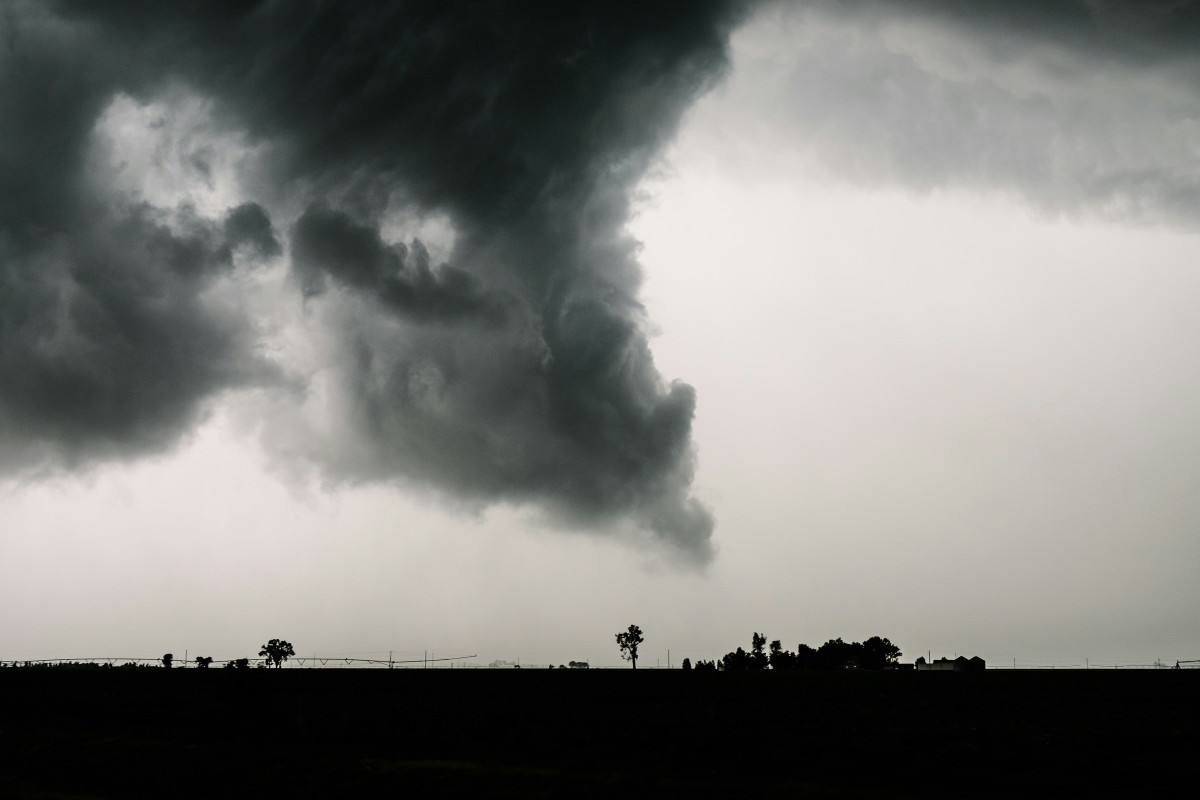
pixel 889 333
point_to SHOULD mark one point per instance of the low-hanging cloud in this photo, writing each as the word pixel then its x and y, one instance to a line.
pixel 1078 107
pixel 509 366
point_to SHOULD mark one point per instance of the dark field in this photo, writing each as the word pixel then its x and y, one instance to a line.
pixel 223 733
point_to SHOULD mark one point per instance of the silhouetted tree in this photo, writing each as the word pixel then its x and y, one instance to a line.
pixel 687 663
pixel 628 641
pixel 836 654
pixel 780 658
pixel 758 658
pixel 277 651
pixel 737 660
pixel 878 653
pixel 806 657
pixel 238 663
pixel 203 661
pixel 167 659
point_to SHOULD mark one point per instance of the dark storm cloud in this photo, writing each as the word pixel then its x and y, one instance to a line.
pixel 249 226
pixel 517 370
pixel 1079 107
pixel 106 347
pixel 400 277
pixel 1147 30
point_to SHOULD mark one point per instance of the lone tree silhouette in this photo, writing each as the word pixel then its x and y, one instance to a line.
pixel 203 661
pixel 167 659
pixel 628 641
pixel 277 651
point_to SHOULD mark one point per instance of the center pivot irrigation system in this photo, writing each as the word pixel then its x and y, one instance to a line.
pixel 312 661
pixel 389 661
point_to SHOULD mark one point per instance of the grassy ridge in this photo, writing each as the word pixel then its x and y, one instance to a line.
pixel 123 733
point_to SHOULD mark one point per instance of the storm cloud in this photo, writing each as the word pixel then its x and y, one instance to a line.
pixel 1077 107
pixel 156 160
pixel 331 243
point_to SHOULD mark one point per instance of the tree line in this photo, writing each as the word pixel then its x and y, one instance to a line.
pixel 875 653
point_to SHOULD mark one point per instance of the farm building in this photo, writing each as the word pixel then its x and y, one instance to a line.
pixel 960 664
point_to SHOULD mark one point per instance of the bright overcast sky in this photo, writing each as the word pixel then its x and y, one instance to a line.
pixel 297 341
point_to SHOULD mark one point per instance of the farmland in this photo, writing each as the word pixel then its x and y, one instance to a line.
pixel 522 733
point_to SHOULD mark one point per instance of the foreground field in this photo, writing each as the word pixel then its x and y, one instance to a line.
pixel 221 733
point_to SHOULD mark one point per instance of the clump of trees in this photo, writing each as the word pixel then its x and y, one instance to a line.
pixel 277 651
pixel 875 653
